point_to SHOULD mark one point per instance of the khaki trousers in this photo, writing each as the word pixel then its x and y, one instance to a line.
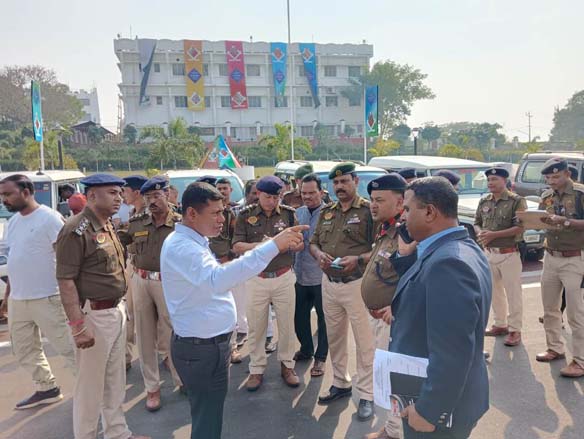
pixel 559 273
pixel 280 293
pixel 507 301
pixel 153 330
pixel 101 379
pixel 28 320
pixel 239 295
pixel 130 334
pixel 342 303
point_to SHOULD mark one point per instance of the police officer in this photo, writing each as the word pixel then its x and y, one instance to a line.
pixel 293 198
pixel 409 174
pixel 146 234
pixel 92 282
pixel 499 232
pixel 255 224
pixel 563 265
pixel 452 177
pixel 344 235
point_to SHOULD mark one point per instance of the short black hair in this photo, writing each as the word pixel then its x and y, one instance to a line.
pixel 573 172
pixel 224 181
pixel 438 192
pixel 22 181
pixel 197 195
pixel 313 177
pixel 248 185
pixel 67 187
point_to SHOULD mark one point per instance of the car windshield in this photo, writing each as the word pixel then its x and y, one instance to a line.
pixel 181 183
pixel 42 193
pixel 473 180
pixel 364 178
pixel 4 214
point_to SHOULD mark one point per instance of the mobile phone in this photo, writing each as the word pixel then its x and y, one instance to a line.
pixel 404 234
pixel 336 264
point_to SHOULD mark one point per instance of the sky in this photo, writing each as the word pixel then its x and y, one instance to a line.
pixel 486 60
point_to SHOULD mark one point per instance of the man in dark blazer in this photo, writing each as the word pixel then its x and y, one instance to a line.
pixel 441 309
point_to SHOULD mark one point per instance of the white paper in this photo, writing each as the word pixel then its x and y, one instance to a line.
pixel 386 362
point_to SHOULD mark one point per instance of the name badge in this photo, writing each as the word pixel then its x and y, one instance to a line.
pixel 384 254
pixel 354 220
pixel 141 233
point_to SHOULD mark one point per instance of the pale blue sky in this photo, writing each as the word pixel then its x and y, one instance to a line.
pixel 487 60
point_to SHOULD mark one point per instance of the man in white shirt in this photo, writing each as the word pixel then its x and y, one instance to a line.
pixel 32 294
pixel 197 290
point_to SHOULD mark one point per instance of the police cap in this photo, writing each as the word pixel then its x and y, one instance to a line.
pixel 342 169
pixel 270 184
pixel 390 182
pixel 156 183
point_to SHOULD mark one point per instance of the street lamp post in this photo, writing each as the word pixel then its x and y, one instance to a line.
pixel 416 132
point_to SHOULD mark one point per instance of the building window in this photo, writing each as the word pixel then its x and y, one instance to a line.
pixel 307 131
pixel 253 70
pixel 354 71
pixel 84 102
pixel 281 102
pixel 207 101
pixel 225 101
pixel 332 101
pixel 301 71
pixel 329 129
pixel 355 101
pixel 178 69
pixel 205 69
pixel 254 101
pixel 207 131
pixel 232 134
pixel 330 71
pixel 158 100
pixel 306 101
pixel 156 67
pixel 180 101
pixel 223 70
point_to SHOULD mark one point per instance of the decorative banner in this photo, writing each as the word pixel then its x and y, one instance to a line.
pixel 308 53
pixel 219 156
pixel 146 48
pixel 236 71
pixel 194 74
pixel 278 53
pixel 371 110
pixel 37 114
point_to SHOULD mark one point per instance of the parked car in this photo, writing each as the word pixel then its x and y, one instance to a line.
pixel 472 186
pixel 181 179
pixel 528 179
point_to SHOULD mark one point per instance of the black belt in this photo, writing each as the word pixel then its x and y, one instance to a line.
pixel 344 280
pixel 196 340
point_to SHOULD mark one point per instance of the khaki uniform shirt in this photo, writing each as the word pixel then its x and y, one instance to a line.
pixel 496 215
pixel 563 239
pixel 92 256
pixel 221 245
pixel 380 278
pixel 344 233
pixel 292 199
pixel 146 239
pixel 253 225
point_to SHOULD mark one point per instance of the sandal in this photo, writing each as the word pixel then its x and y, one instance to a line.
pixel 317 369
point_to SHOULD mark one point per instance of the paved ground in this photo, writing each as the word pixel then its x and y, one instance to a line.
pixel 528 399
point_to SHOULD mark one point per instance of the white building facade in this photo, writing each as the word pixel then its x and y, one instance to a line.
pixel 90 105
pixel 336 64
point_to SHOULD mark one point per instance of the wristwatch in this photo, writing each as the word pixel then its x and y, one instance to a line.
pixel 360 260
pixel 567 223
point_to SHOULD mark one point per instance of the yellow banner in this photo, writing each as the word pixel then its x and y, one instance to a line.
pixel 194 74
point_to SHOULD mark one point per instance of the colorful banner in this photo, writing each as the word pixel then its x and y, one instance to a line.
pixel 37 114
pixel 308 53
pixel 219 156
pixel 371 110
pixel 279 56
pixel 194 74
pixel 146 48
pixel 236 71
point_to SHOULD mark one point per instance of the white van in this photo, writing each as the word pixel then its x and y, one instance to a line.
pixel 181 179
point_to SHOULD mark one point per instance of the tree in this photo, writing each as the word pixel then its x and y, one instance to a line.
pixel 430 133
pixel 95 135
pixel 383 148
pixel 569 121
pixel 400 86
pixel 472 134
pixel 280 143
pixel 31 157
pixel 450 150
pixel 401 133
pixel 474 154
pixel 130 134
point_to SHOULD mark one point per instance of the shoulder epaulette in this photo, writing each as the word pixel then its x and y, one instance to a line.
pixel 176 217
pixel 364 202
pixel 248 208
pixel 328 205
pixel 547 193
pixel 579 187
pixel 485 197
pixel 286 207
pixel 82 226
pixel 138 216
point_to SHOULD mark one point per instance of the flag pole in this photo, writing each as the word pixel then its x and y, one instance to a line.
pixel 365 124
pixel 42 155
pixel 291 55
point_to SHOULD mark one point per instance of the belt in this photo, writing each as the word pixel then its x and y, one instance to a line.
pixel 103 304
pixel 149 275
pixel 344 280
pixel 274 274
pixel 565 253
pixel 196 340
pixel 502 251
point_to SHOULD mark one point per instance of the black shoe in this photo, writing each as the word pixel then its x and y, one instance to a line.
pixel 365 410
pixel 334 394
pixel 241 339
pixel 270 346
pixel 487 355
pixel 39 398
pixel 301 356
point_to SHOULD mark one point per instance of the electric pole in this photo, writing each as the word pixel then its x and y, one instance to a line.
pixel 529 116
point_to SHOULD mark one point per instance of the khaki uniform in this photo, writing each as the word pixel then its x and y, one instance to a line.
pixel 504 258
pixel 564 271
pixel 153 327
pixel 92 256
pixel 347 233
pixel 275 285
pixel 292 198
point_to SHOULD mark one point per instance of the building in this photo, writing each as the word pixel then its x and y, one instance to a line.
pixel 90 133
pixel 90 105
pixel 168 99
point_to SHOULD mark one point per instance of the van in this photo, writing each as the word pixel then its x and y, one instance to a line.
pixel 181 179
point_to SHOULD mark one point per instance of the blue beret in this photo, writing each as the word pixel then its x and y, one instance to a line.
pixel 452 177
pixel 208 179
pixel 498 171
pixel 154 184
pixel 390 182
pixel 554 165
pixel 408 173
pixel 102 180
pixel 270 185
pixel 135 181
pixel 342 169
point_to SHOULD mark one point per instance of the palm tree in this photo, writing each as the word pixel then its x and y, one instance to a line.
pixel 281 143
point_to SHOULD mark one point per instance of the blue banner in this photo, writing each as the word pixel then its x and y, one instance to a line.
pixel 278 52
pixel 37 114
pixel 371 110
pixel 308 54
pixel 146 48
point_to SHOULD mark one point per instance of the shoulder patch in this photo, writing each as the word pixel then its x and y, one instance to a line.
pixel 286 207
pixel 579 187
pixel 82 227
